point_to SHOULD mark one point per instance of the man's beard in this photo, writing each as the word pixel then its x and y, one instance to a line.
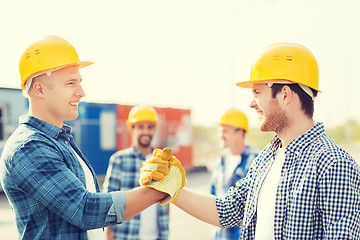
pixel 275 121
pixel 142 144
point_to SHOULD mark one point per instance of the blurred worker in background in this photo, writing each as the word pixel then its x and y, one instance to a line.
pixel 302 185
pixel 234 163
pixel 51 186
pixel 123 174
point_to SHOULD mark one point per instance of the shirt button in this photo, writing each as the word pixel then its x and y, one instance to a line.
pixel 66 142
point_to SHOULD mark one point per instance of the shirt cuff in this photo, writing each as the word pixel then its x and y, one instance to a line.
pixel 118 207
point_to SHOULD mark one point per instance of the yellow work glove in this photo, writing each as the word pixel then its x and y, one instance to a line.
pixel 172 182
pixel 156 167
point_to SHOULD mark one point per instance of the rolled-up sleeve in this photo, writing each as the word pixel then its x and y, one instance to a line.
pixel 118 207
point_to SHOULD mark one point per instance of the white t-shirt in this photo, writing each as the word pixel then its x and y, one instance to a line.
pixel 94 234
pixel 267 197
pixel 231 162
pixel 148 221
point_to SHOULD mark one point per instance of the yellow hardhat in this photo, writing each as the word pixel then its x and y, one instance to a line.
pixel 142 113
pixel 47 55
pixel 236 118
pixel 284 62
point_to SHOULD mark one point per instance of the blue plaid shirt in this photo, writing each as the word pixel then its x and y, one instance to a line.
pixel 218 186
pixel 123 174
pixel 318 196
pixel 45 184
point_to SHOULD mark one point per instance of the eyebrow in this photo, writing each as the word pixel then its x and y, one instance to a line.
pixel 73 79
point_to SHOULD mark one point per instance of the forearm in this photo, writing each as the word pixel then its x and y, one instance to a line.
pixel 140 198
pixel 198 205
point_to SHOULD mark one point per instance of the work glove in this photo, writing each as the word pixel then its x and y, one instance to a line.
pixel 156 167
pixel 170 182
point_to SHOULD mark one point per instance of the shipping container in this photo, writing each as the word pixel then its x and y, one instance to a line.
pixel 95 133
pixel 13 104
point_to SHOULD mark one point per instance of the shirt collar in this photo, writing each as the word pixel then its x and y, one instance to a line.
pixel 299 144
pixel 47 128
pixel 139 154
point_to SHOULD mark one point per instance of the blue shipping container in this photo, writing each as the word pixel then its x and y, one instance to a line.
pixel 95 133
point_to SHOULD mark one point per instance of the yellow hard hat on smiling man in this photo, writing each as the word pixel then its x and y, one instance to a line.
pixel 45 56
pixel 142 113
pixel 285 63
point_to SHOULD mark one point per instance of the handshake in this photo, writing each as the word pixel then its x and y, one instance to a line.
pixel 164 173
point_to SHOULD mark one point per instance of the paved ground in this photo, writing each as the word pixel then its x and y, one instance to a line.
pixel 184 226
pixel 7 222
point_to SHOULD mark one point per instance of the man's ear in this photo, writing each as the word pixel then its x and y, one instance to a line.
pixel 286 94
pixel 38 89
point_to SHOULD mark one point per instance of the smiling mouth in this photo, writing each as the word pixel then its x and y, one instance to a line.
pixel 74 104
pixel 260 114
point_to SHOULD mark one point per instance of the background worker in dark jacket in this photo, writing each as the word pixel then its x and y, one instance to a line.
pixel 234 163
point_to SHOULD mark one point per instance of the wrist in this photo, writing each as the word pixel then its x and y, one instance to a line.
pixel 158 194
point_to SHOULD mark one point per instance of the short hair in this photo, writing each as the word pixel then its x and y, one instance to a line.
pixel 307 104
pixel 41 78
pixel 240 129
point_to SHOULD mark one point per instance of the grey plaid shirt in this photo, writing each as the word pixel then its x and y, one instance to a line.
pixel 318 196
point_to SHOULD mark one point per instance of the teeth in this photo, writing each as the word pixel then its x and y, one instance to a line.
pixel 74 104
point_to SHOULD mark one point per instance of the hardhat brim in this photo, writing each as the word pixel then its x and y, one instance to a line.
pixel 245 84
pixel 84 63
pixel 81 64
pixel 249 84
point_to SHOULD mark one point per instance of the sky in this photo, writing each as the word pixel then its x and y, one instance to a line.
pixel 190 54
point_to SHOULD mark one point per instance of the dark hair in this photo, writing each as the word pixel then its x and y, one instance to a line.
pixel 307 104
pixel 240 129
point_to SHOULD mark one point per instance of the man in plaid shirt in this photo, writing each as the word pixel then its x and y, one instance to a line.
pixel 302 185
pixel 50 184
pixel 123 174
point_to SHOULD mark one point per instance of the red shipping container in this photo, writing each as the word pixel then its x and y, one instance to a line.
pixel 174 130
